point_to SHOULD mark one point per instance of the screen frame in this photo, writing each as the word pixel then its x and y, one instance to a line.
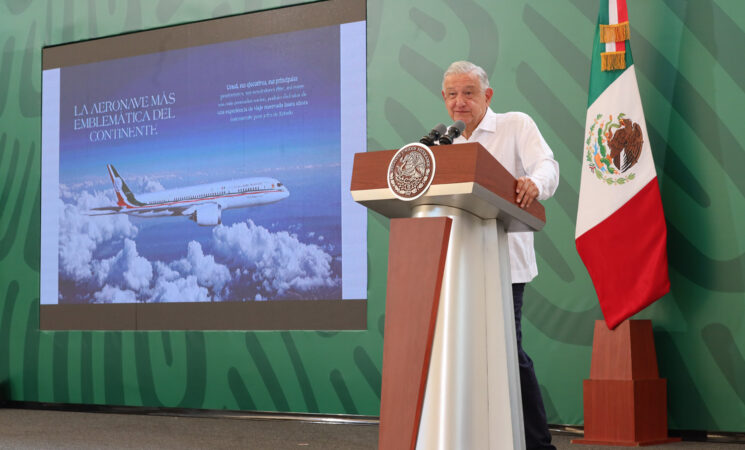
pixel 280 315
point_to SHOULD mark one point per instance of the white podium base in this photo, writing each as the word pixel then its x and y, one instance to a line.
pixel 472 396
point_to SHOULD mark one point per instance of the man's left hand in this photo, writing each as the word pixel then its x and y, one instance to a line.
pixel 526 191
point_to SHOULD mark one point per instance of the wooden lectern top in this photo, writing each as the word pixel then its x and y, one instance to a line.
pixel 467 177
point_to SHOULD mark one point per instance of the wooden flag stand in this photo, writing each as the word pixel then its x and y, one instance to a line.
pixel 625 400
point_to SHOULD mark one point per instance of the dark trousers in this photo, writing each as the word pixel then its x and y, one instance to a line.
pixel 537 435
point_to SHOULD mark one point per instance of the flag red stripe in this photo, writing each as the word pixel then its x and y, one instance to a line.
pixel 623 16
pixel 626 256
pixel 623 12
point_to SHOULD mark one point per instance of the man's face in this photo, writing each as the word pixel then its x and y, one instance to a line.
pixel 465 100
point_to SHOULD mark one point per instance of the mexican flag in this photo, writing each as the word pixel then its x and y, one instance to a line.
pixel 620 235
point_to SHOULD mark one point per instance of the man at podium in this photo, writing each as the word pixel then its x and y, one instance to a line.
pixel 514 140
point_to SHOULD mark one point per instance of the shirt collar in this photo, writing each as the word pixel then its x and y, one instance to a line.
pixel 488 122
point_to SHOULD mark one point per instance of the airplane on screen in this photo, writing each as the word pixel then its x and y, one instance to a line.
pixel 202 203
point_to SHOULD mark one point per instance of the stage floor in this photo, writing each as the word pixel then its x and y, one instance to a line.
pixel 46 429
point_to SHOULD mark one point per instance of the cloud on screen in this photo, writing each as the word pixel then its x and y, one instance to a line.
pixel 80 234
pixel 203 267
pixel 245 262
pixel 278 261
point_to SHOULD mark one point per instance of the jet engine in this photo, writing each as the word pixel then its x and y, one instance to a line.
pixel 207 215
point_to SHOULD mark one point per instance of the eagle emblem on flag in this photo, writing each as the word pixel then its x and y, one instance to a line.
pixel 613 146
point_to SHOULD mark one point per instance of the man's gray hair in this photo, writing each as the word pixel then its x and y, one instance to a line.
pixel 459 67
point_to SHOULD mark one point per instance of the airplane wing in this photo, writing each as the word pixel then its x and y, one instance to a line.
pixel 161 211
pixel 172 210
pixel 104 211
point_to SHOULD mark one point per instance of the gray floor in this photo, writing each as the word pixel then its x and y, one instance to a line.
pixel 42 429
pixel 562 441
pixel 31 429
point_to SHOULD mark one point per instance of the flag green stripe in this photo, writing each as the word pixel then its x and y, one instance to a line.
pixel 599 80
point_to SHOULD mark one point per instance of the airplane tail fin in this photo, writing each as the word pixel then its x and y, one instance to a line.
pixel 125 197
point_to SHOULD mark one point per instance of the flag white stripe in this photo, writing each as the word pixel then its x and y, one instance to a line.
pixel 612 20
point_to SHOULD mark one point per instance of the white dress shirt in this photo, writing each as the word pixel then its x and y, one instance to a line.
pixel 514 140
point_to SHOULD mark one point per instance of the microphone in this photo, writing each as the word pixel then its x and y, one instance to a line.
pixel 434 135
pixel 453 132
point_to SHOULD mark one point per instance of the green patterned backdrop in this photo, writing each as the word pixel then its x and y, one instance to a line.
pixel 689 57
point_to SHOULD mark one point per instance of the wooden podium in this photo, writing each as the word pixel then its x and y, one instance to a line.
pixel 450 373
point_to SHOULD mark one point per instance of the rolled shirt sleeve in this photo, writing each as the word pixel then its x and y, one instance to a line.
pixel 537 158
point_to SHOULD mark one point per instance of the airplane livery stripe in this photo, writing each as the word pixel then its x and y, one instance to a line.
pixel 232 195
